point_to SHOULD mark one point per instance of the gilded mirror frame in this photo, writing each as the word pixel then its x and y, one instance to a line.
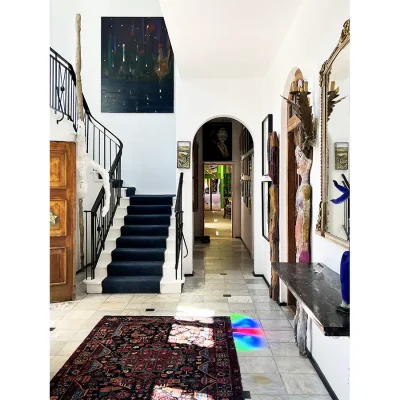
pixel 324 75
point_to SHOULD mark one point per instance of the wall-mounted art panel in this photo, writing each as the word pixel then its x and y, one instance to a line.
pixel 183 155
pixel 217 141
pixel 58 266
pixel 58 218
pixel 58 174
pixel 137 66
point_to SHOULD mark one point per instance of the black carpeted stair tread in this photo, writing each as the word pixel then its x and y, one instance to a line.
pixel 135 268
pixel 145 230
pixel 143 219
pixel 152 254
pixel 144 199
pixel 142 242
pixel 146 209
pixel 138 259
pixel 131 284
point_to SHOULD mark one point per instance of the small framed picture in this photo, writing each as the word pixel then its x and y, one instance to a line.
pixel 265 207
pixel 183 155
pixel 342 155
pixel 267 127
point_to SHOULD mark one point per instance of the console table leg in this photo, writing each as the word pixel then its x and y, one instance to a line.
pixel 300 330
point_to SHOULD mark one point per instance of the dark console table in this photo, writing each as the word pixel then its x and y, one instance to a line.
pixel 318 293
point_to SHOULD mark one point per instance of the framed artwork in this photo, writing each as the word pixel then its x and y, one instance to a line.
pixel 137 66
pixel 265 185
pixel 217 141
pixel 342 155
pixel 195 175
pixel 183 155
pixel 267 127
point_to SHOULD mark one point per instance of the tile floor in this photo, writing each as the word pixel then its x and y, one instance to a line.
pixel 275 372
pixel 216 226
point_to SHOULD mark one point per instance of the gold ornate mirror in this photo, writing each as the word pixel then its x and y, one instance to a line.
pixel 334 219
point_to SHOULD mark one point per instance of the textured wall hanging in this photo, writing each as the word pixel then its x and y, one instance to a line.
pixel 137 66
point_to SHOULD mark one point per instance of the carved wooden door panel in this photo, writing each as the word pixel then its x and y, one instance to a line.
pixel 62 220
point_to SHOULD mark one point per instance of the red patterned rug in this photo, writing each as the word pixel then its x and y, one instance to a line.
pixel 148 358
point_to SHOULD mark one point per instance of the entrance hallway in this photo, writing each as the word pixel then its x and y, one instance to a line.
pixel 275 371
pixel 216 226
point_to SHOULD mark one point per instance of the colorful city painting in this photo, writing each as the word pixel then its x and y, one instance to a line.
pixel 137 66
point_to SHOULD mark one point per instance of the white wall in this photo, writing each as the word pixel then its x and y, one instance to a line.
pixel 313 36
pixel 149 153
pixel 198 101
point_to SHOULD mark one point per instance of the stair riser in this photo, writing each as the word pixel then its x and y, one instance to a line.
pixel 169 287
pixel 124 201
pixel 113 234
pixel 138 243
pixel 121 212
pixel 118 222
pixel 134 271
pixel 139 256
pixel 169 271
pixel 132 230
pixel 147 220
pixel 100 272
pixel 110 244
pixel 153 287
pixel 147 210
pixel 94 287
pixel 137 200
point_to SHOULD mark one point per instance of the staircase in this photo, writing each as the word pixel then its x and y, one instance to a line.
pixel 139 254
pixel 136 246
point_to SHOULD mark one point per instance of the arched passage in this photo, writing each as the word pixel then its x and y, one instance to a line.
pixel 222 160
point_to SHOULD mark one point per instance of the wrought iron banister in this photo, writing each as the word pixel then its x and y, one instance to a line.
pixel 102 146
pixel 180 238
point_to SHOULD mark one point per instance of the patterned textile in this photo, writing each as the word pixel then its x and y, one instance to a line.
pixel 150 358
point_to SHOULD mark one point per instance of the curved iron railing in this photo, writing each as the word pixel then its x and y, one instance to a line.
pixel 102 146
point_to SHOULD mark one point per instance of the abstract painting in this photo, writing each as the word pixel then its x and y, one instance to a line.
pixel 183 155
pixel 137 66
pixel 217 141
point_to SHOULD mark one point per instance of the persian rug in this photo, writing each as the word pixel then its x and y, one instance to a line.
pixel 153 358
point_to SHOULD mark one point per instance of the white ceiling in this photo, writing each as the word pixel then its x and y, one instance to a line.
pixel 227 38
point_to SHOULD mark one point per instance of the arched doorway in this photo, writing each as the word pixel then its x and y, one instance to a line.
pixel 223 181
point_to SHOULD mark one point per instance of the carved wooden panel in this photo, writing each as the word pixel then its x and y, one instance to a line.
pixel 58 218
pixel 62 206
pixel 58 266
pixel 58 166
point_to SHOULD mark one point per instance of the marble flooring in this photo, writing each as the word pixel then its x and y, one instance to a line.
pixel 274 372
pixel 216 226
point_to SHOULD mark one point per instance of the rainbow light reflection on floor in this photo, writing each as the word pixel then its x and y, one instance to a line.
pixel 248 334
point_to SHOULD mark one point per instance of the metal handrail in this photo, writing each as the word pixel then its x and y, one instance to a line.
pixel 180 237
pixel 102 146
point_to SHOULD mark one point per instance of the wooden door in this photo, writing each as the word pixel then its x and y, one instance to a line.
pixel 62 220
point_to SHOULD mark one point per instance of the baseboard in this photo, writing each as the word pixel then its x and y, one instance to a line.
pixel 244 244
pixel 262 276
pixel 321 375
